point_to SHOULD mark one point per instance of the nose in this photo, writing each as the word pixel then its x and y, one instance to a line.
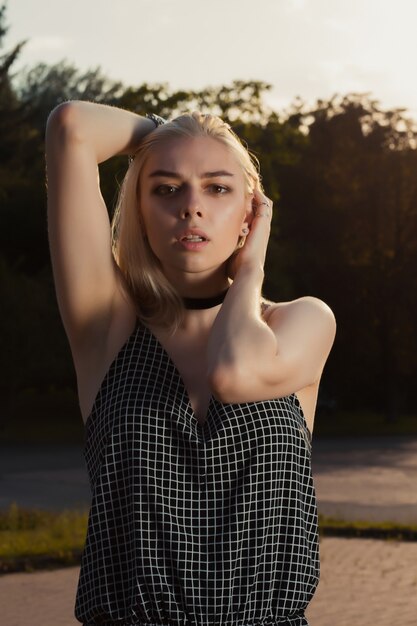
pixel 191 206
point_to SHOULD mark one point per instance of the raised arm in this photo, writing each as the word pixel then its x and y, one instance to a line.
pixel 251 359
pixel 79 136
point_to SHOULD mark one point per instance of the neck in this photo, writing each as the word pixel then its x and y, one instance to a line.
pixel 204 284
pixel 205 302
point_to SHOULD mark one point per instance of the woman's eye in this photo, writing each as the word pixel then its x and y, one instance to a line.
pixel 220 190
pixel 169 190
pixel 164 190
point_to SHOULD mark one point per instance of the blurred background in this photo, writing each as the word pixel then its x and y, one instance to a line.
pixel 321 92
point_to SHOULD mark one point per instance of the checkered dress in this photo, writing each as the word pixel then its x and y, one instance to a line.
pixel 191 524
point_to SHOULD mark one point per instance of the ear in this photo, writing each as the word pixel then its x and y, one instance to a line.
pixel 249 213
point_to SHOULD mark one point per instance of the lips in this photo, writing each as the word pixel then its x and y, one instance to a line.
pixel 193 232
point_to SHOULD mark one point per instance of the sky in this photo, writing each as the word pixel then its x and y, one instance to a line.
pixel 311 49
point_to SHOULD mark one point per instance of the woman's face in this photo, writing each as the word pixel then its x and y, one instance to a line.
pixel 193 184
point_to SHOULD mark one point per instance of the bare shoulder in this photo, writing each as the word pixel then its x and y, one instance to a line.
pixel 304 328
pixel 305 307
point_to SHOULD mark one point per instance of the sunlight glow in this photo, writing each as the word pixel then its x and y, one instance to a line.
pixel 311 48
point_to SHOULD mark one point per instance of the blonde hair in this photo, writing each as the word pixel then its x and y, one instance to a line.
pixel 155 298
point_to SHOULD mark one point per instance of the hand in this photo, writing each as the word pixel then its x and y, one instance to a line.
pixel 252 254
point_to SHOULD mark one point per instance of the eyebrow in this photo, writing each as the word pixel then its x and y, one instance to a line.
pixel 176 175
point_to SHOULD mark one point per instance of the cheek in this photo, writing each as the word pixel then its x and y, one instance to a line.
pixel 149 228
pixel 233 217
pixel 153 234
pixel 152 219
pixel 159 228
pixel 228 231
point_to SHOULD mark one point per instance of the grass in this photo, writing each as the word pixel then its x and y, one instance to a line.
pixel 31 539
pixel 333 527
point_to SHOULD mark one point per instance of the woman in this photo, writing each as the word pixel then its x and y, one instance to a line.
pixel 197 446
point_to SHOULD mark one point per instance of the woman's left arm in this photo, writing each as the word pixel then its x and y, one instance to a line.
pixel 250 360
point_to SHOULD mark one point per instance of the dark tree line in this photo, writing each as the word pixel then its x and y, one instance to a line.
pixel 341 174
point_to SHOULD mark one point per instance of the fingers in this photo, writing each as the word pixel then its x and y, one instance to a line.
pixel 262 205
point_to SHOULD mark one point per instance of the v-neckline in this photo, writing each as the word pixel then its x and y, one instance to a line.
pixel 185 392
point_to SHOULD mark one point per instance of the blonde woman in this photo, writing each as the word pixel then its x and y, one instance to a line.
pixel 198 395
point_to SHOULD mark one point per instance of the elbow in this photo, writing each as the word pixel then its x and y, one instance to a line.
pixel 63 123
pixel 227 385
pixel 235 384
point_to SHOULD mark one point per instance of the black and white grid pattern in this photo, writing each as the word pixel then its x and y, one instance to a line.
pixel 191 524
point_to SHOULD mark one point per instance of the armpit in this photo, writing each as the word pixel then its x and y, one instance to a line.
pixel 265 305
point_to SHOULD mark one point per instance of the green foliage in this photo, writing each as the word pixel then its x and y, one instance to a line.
pixel 241 101
pixel 43 87
pixel 23 232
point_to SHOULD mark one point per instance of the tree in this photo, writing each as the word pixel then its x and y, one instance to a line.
pixel 17 145
pixel 350 230
pixel 42 87
pixel 10 107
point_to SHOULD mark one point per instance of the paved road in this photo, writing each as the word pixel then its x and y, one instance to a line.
pixel 364 582
pixel 48 477
pixel 367 478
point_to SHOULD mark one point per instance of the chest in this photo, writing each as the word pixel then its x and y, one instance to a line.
pixel 190 361
pixel 189 358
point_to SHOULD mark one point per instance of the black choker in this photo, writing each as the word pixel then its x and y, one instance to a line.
pixel 205 303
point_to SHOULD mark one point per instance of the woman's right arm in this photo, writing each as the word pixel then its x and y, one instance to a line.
pixel 79 136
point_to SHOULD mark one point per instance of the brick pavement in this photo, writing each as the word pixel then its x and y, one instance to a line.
pixel 364 582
